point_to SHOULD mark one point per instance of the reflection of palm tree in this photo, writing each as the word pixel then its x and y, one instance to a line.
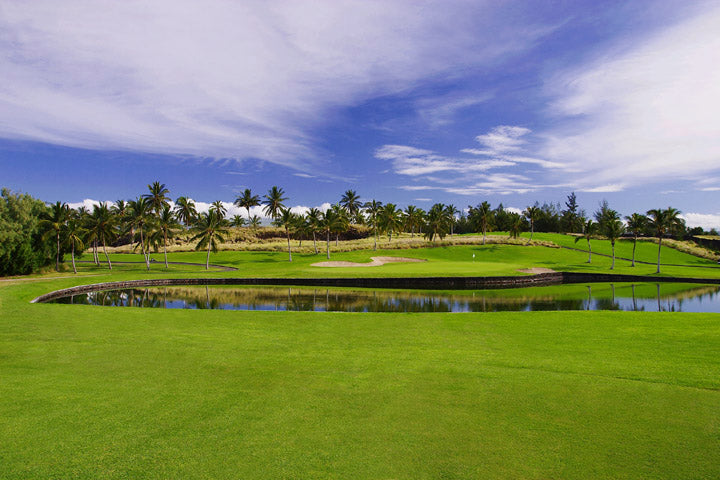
pixel 588 231
pixel 663 221
pixel 54 221
pixel 209 228
pixel 274 202
pixel 185 210
pixel 247 200
pixel 635 224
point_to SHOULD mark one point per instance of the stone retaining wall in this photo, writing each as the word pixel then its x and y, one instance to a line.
pixel 419 283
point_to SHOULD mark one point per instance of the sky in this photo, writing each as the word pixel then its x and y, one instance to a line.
pixel 410 102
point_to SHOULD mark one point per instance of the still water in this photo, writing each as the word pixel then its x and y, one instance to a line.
pixel 622 296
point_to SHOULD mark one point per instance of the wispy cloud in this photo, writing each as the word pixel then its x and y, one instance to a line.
pixel 642 112
pixel 224 79
pixel 416 162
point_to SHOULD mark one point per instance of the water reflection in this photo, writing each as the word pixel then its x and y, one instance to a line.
pixel 632 297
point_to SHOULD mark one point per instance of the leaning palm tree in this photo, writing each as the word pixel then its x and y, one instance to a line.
pixel 75 232
pixel 635 224
pixel 166 226
pixel 589 229
pixel 274 202
pixel 54 222
pixel 158 196
pixel 662 221
pixel 247 200
pixel 209 229
pixel 373 209
pixel 531 214
pixel 350 201
pixel 185 210
pixel 289 221
pixel 614 228
pixel 103 227
pixel 313 219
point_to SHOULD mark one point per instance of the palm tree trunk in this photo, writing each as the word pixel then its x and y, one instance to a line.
pixel 589 251
pixel 57 256
pixel 73 256
pixel 484 233
pixel 659 245
pixel 165 248
pixel 106 254
pixel 328 244
pixel 633 257
pixel 376 236
pixel 315 242
pixel 289 250
pixel 248 209
pixel 207 258
pixel 612 267
pixel 532 229
pixel 337 238
pixel 95 254
pixel 142 249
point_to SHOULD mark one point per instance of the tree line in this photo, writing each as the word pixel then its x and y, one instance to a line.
pixel 149 222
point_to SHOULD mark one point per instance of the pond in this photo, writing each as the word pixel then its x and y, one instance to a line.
pixel 670 297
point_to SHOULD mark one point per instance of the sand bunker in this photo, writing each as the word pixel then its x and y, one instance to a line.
pixel 376 262
pixel 537 270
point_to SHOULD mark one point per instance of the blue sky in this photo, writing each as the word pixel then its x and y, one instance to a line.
pixel 407 102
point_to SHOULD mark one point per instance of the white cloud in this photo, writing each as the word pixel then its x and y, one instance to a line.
pixel 706 221
pixel 504 138
pixel 415 162
pixel 227 79
pixel 440 111
pixel 613 187
pixel 645 110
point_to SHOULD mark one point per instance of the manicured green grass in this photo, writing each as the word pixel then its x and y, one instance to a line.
pixel 93 392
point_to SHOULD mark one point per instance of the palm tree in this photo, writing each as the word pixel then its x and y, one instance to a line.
pixel 516 224
pixel 662 221
pixel 247 200
pixel 219 208
pixel 254 222
pixel 452 211
pixel 437 222
pixel 332 221
pixel 390 220
pixel 635 223
pixel 158 196
pixel 614 228
pixel 482 216
pixel 209 229
pixel 237 221
pixel 289 221
pixel 185 210
pixel 166 225
pixel 350 201
pixel 589 229
pixel 140 217
pixel 531 214
pixel 74 236
pixel 373 209
pixel 342 224
pixel 102 226
pixel 54 221
pixel 274 202
pixel 314 219
pixel 413 218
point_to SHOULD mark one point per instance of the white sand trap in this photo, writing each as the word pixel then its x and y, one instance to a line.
pixel 537 270
pixel 376 262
